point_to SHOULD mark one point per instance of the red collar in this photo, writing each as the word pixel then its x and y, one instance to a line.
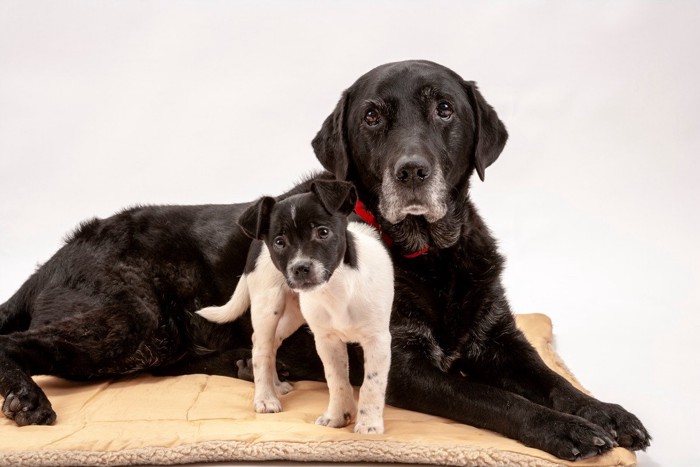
pixel 369 218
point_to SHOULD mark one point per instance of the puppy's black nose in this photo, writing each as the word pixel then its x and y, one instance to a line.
pixel 301 269
pixel 412 169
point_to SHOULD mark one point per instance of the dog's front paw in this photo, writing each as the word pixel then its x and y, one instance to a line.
pixel 283 387
pixel 369 427
pixel 622 426
pixel 28 409
pixel 334 421
pixel 369 421
pixel 568 437
pixel 268 405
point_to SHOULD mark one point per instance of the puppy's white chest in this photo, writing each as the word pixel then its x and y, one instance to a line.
pixel 331 311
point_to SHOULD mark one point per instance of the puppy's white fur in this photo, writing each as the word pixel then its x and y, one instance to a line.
pixel 353 306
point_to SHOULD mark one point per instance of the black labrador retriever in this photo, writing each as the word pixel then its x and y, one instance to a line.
pixel 119 297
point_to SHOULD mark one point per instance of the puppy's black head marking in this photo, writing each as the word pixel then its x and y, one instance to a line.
pixel 410 134
pixel 255 221
pixel 306 234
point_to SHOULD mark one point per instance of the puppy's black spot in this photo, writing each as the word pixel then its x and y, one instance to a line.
pixel 253 253
pixel 351 251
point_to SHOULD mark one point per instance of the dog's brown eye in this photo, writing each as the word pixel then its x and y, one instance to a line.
pixel 322 232
pixel 280 242
pixel 372 117
pixel 444 110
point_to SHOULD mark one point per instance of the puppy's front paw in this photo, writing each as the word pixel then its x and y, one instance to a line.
pixel 369 427
pixel 268 406
pixel 283 387
pixel 369 421
pixel 334 421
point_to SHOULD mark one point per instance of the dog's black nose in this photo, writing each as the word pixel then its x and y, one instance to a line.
pixel 412 169
pixel 301 269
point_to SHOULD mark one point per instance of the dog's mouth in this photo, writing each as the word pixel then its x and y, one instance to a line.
pixel 304 286
pixel 398 200
pixel 314 277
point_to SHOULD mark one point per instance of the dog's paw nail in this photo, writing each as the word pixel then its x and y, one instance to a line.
pixel 575 452
pixel 598 441
pixel 613 433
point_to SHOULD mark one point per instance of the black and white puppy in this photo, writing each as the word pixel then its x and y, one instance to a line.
pixel 309 263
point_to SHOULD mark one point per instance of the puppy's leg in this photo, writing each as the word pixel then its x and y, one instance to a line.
pixel 377 350
pixel 341 405
pixel 291 320
pixel 266 308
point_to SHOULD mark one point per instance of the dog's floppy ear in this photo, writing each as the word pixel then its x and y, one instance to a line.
pixel 330 143
pixel 255 221
pixel 335 195
pixel 490 133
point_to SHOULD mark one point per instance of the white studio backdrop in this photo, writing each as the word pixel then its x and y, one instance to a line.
pixel 594 200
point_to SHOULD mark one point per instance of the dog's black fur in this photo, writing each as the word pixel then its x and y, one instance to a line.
pixel 119 296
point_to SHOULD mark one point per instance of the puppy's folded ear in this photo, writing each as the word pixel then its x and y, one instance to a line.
pixel 330 143
pixel 255 221
pixel 335 195
pixel 490 133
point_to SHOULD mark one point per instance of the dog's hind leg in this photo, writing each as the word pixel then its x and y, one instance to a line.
pixel 82 339
pixel 291 320
pixel 12 317
pixel 341 404
pixel 266 308
pixel 13 313
pixel 25 402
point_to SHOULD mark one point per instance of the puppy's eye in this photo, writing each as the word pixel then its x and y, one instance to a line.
pixel 279 242
pixel 372 117
pixel 444 110
pixel 323 232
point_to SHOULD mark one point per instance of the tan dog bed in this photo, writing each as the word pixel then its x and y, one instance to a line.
pixel 198 418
